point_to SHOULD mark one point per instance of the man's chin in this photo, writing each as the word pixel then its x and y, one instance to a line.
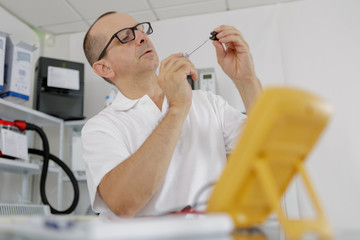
pixel 150 61
pixel 151 66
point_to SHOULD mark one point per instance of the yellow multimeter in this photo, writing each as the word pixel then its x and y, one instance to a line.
pixel 282 127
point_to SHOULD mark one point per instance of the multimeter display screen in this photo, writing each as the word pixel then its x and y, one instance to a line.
pixel 207 76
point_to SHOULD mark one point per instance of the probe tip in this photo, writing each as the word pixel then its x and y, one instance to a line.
pixel 213 36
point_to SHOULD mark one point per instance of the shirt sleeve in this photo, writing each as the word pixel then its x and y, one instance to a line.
pixel 103 149
pixel 231 119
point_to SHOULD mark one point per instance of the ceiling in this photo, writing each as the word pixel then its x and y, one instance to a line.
pixel 69 16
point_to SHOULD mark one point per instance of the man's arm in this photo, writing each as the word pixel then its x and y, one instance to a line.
pixel 233 55
pixel 131 184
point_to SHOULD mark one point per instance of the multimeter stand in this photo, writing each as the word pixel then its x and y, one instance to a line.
pixel 283 126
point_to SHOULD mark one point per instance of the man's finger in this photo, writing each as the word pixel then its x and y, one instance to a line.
pixel 220 50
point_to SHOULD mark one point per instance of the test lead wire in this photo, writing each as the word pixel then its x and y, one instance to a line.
pixel 212 37
pixel 187 55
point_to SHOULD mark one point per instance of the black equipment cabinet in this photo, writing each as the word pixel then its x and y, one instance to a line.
pixel 66 102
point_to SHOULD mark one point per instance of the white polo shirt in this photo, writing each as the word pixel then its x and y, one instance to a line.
pixel 209 133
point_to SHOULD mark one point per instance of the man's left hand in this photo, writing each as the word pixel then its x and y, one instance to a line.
pixel 233 55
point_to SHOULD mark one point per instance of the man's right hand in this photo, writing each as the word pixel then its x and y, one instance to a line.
pixel 173 81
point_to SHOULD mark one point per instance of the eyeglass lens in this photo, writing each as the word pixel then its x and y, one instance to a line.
pixel 127 35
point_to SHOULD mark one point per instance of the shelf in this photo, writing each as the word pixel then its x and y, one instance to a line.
pixel 79 177
pixel 16 166
pixel 75 125
pixel 11 111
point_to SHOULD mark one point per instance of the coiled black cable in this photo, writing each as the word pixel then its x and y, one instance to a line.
pixel 46 157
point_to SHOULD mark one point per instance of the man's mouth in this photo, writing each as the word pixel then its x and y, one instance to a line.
pixel 146 52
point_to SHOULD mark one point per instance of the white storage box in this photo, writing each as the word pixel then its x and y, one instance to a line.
pixel 18 59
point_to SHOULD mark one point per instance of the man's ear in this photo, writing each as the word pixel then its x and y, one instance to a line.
pixel 103 68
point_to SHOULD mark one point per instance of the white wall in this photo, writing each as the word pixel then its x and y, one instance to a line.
pixel 184 34
pixel 320 42
pixel 258 26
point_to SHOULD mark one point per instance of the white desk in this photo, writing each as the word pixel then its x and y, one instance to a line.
pixel 212 226
pixel 209 227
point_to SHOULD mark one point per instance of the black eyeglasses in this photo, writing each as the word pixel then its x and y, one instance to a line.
pixel 128 34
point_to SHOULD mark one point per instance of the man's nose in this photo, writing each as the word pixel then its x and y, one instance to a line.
pixel 140 37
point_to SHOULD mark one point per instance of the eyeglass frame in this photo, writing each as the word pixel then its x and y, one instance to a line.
pixel 102 54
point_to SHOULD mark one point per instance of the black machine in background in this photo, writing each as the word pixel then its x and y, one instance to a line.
pixel 59 100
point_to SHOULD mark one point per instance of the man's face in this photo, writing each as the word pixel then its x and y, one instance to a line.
pixel 132 58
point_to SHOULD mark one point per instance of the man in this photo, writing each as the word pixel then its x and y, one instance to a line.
pixel 159 142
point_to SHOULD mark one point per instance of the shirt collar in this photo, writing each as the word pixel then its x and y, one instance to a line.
pixel 122 103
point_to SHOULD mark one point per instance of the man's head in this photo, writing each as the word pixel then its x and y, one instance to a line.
pixel 119 60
